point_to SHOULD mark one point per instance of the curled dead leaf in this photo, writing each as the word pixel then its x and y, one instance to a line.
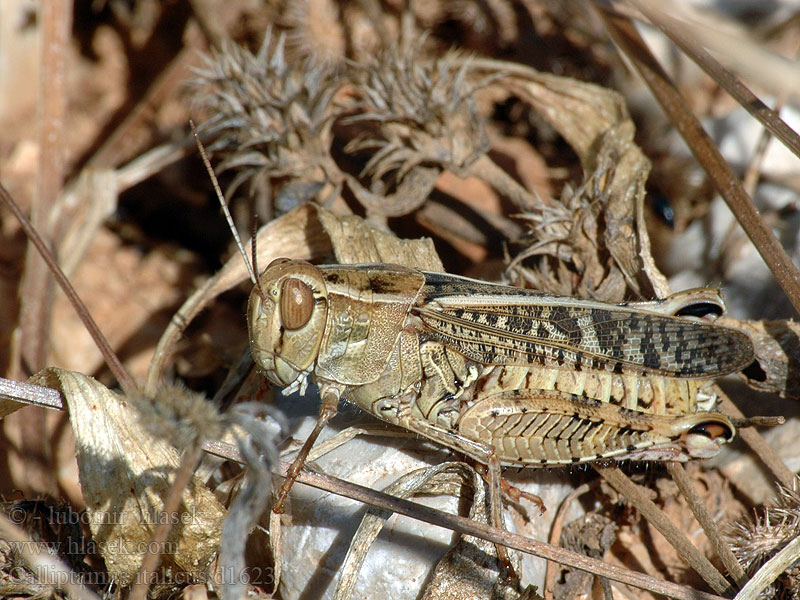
pixel 125 473
pixel 598 231
pixel 776 345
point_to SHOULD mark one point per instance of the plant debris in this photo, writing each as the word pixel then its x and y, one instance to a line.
pixel 503 140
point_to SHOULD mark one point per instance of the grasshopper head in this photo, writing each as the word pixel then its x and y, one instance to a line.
pixel 286 318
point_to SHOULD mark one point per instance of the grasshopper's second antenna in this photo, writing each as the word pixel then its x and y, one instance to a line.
pixel 253 252
pixel 250 266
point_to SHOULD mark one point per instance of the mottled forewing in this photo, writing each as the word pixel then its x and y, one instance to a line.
pixel 494 324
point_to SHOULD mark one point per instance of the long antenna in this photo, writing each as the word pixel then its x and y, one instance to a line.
pixel 224 204
pixel 253 253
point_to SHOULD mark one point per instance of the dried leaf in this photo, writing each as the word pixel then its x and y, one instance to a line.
pixel 355 241
pixel 602 224
pixel 777 349
pixel 125 474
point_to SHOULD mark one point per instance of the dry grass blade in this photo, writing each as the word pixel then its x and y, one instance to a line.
pixel 773 568
pixel 659 520
pixel 14 394
pixel 115 148
pixel 37 285
pixel 759 445
pixel 702 515
pixel 677 31
pixel 751 176
pixel 707 154
pixel 469 568
pixel 150 163
pixel 125 380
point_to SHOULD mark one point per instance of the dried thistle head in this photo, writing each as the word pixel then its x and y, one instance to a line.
pixel 272 115
pixel 423 112
pixel 754 541
pixel 566 252
pixel 315 31
pixel 179 415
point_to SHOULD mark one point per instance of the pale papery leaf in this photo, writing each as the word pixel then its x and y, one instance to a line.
pixel 125 474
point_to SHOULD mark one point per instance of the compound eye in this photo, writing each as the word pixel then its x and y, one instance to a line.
pixel 712 430
pixel 296 303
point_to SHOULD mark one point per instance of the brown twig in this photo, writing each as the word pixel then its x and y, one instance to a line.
pixel 37 286
pixel 551 572
pixel 759 445
pixel 751 175
pixel 679 476
pixel 760 151
pixel 706 153
pixel 656 517
pixel 123 377
pixel 172 502
pixel 27 393
pixel 675 30
pixel 36 291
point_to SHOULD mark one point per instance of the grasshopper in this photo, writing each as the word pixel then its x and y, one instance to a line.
pixel 506 376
